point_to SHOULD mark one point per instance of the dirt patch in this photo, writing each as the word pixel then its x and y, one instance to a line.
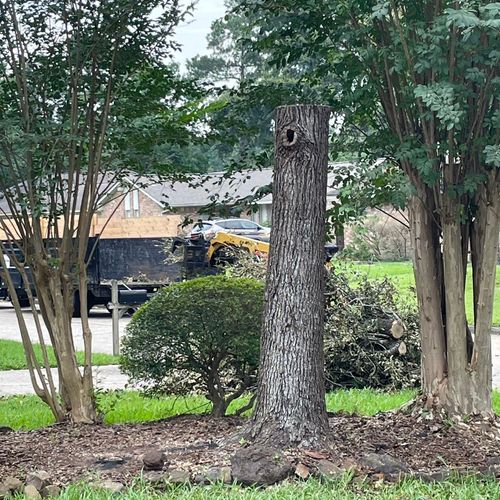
pixel 196 443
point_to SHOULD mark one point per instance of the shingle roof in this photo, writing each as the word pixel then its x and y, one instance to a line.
pixel 204 189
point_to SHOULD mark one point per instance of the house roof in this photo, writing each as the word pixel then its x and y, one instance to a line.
pixel 204 189
pixel 106 183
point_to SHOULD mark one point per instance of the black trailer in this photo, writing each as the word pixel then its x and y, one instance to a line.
pixel 139 264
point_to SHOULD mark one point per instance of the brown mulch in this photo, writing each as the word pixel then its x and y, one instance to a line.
pixel 195 443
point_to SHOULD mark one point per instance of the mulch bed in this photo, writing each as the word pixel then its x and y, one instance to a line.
pixel 195 443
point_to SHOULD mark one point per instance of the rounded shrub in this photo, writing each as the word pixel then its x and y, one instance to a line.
pixel 203 333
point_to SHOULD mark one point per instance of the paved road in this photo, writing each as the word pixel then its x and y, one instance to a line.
pixel 109 377
pixel 100 323
pixel 14 382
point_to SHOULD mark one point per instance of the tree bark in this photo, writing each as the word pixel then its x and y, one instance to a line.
pixel 452 379
pixel 428 278
pixel 291 406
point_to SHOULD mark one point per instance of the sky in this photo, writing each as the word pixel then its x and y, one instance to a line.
pixel 193 33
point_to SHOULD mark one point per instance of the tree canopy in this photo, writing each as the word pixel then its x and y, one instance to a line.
pixel 86 97
pixel 419 82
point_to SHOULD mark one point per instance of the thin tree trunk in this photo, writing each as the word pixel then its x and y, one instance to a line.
pixel 456 401
pixel 290 406
pixel 480 366
pixel 76 393
pixel 428 279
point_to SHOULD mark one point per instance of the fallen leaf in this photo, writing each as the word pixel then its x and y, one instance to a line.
pixel 302 471
pixel 317 455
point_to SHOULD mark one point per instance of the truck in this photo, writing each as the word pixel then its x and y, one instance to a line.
pixel 142 268
pixel 139 264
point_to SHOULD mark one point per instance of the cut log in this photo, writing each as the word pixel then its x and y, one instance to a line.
pixel 398 348
pixel 398 329
pixel 402 348
pixel 390 327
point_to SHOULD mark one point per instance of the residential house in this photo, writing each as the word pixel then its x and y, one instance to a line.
pixel 144 207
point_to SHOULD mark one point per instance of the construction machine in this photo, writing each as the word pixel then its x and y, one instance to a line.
pixel 208 256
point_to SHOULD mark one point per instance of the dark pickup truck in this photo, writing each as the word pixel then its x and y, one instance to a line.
pixel 137 263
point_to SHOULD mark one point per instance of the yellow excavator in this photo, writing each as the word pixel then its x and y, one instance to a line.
pixel 206 257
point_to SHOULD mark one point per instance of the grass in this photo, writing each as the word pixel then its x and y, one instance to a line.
pixel 12 356
pixel 28 412
pixel 457 488
pixel 402 275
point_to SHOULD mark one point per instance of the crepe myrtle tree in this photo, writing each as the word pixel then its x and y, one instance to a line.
pixel 83 99
pixel 420 80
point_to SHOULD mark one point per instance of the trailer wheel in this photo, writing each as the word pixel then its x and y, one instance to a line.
pixel 22 298
pixel 77 308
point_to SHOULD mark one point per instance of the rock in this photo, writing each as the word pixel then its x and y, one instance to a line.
pixel 350 465
pixel 50 491
pixel 302 471
pixel 154 460
pixel 13 484
pixel 434 476
pixel 329 469
pixel 381 462
pixel 4 491
pixel 39 479
pixel 155 477
pixel 5 429
pixel 200 479
pixel 219 475
pixel 492 467
pixel 260 465
pixel 31 492
pixel 111 486
pixel 177 476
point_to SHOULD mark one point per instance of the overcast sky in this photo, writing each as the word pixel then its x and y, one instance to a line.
pixel 193 33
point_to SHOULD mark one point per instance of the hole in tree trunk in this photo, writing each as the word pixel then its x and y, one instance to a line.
pixel 290 135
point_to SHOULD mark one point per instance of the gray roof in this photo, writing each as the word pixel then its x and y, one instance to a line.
pixel 106 183
pixel 203 189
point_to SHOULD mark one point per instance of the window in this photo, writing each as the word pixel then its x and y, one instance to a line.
pixel 250 225
pixel 132 204
pixel 230 224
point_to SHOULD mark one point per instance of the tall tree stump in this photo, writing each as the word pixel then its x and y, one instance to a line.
pixel 290 407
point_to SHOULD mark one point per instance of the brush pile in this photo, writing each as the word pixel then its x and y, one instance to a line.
pixel 371 338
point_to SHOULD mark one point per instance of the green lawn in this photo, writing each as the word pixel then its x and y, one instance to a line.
pixel 402 275
pixel 12 356
pixel 118 407
pixel 457 488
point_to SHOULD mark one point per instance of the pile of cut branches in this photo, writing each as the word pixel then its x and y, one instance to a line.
pixel 371 338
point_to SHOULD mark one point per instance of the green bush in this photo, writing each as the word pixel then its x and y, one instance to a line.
pixel 203 333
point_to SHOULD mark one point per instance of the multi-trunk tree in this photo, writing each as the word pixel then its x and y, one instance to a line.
pixel 420 80
pixel 84 99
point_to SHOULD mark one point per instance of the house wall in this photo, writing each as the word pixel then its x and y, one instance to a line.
pixel 114 222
